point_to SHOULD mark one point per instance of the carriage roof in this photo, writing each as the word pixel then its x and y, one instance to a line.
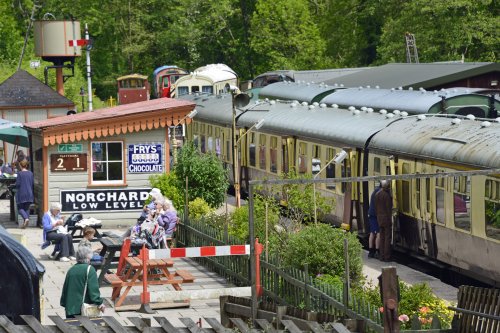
pixel 301 91
pixel 132 76
pixel 469 142
pixel 411 101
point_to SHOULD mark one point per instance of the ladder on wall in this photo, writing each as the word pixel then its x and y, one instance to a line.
pixel 411 49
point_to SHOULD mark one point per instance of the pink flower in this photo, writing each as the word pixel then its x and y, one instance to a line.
pixel 381 309
pixel 404 318
pixel 424 310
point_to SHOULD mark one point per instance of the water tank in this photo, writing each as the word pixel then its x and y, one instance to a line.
pixel 52 40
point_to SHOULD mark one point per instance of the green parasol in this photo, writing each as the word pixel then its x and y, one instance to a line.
pixel 13 133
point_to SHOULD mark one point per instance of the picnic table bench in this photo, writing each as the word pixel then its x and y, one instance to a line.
pixel 111 249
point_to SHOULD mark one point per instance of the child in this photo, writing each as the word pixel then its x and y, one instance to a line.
pixel 88 235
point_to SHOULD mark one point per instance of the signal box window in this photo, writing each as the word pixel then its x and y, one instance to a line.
pixel 107 162
pixel 273 152
pixel 330 168
pixel 316 160
pixel 262 151
pixel 302 157
pixel 461 202
pixel 207 90
pixel 251 150
pixel 183 90
pixel 492 208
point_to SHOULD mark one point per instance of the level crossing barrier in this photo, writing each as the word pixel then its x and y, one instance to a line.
pixel 194 252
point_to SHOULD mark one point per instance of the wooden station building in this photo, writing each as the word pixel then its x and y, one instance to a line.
pixel 99 163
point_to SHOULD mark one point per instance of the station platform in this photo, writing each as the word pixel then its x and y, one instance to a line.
pixel 208 285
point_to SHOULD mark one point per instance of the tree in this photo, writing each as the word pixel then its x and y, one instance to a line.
pixel 444 30
pixel 284 36
pixel 207 178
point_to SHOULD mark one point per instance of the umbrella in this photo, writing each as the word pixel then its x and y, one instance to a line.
pixel 13 133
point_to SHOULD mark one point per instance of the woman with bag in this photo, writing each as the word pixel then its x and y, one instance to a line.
pixel 80 294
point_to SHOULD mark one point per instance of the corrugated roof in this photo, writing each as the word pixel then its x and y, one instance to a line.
pixel 23 90
pixel 134 117
pixel 436 137
pixel 425 75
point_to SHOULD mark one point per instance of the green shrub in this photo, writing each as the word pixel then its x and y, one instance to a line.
pixel 167 183
pixel 199 208
pixel 321 247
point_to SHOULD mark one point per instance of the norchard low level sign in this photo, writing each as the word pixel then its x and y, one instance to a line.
pixel 145 158
pixel 103 200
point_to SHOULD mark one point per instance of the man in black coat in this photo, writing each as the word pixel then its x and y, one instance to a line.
pixel 383 209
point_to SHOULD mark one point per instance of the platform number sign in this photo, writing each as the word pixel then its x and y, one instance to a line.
pixel 68 162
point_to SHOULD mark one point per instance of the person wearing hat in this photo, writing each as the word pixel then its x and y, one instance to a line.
pixel 154 195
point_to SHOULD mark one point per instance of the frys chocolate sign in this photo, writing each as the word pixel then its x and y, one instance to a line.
pixel 103 200
pixel 68 162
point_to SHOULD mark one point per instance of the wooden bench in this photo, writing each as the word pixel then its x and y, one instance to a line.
pixel 185 276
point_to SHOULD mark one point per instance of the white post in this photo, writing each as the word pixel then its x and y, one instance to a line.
pixel 89 73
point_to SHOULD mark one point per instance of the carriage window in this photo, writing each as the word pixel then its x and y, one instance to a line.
pixel 210 139
pixel 195 89
pixel 440 199
pixel 262 151
pixel 251 148
pixel 107 162
pixel 330 168
pixel 202 144
pixel 428 201
pixel 316 159
pixel 492 208
pixel 217 142
pixel 196 140
pixel 405 189
pixel 228 151
pixel 376 165
pixel 273 151
pixel 165 81
pixel 461 202
pixel 183 90
pixel 417 190
pixel 302 157
pixel 174 78
pixel 207 89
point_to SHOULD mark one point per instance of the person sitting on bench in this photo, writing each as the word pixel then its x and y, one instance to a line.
pixel 54 231
pixel 168 218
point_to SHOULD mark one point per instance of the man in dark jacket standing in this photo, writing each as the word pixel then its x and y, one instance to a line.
pixel 383 209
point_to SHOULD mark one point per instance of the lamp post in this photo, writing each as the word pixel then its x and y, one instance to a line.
pixel 83 94
pixel 337 159
pixel 236 140
pixel 190 115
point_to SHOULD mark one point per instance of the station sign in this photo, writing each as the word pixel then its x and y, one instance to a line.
pixel 68 162
pixel 104 200
pixel 70 148
pixel 145 158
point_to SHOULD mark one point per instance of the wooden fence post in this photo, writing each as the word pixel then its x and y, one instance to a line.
pixel 389 287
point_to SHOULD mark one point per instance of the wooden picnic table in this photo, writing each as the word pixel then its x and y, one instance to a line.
pixel 111 247
pixel 158 273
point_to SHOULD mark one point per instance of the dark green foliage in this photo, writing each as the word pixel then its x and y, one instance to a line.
pixel 206 175
pixel 321 247
pixel 168 183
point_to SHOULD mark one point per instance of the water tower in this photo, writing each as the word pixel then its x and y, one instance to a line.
pixel 58 42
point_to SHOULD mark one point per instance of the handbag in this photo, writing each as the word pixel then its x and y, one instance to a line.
pixel 89 310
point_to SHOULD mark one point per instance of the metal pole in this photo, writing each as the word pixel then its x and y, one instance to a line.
pixel 251 233
pixel 89 70
pixel 30 23
pixel 235 157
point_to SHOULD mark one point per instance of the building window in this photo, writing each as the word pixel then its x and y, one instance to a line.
pixel 461 202
pixel 492 208
pixel 262 151
pixel 107 162
pixel 330 168
pixel 273 152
